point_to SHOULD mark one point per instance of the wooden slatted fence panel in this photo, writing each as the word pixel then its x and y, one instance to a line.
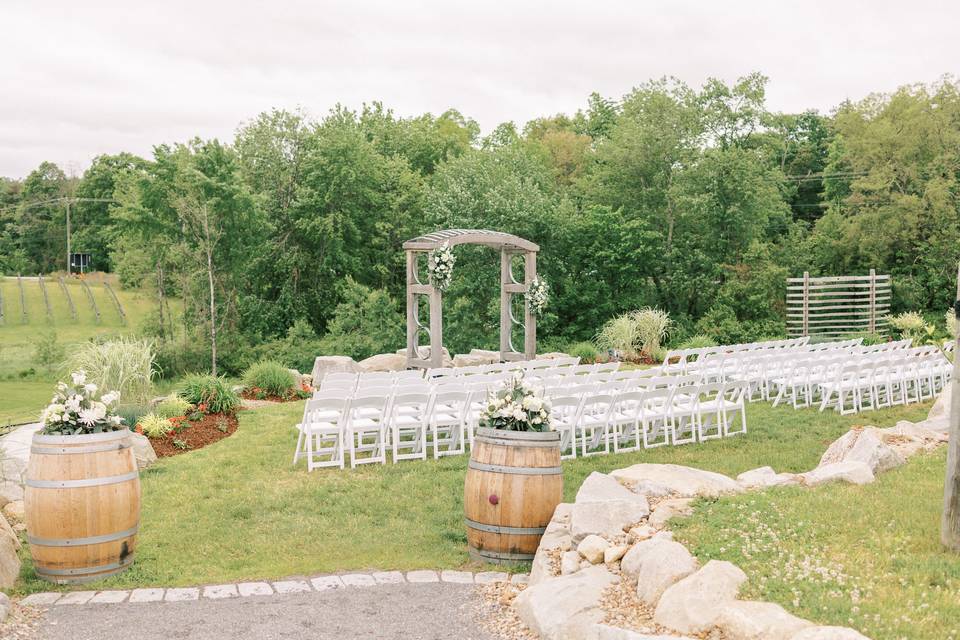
pixel 835 306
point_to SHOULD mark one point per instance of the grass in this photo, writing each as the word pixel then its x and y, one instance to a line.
pixel 21 400
pixel 237 510
pixel 867 557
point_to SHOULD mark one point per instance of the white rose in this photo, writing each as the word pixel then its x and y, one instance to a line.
pixel 79 377
pixel 90 388
pixel 532 403
pixel 110 398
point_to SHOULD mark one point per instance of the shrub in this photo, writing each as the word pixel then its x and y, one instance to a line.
pixel 214 393
pixel 912 325
pixel 131 413
pixel 586 351
pixel 640 331
pixel 154 426
pixel 367 322
pixel 172 406
pixel 123 364
pixel 48 352
pixel 618 334
pixel 270 376
pixel 697 341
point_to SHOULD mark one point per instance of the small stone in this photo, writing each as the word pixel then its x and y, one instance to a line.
pixel 569 563
pixel 764 477
pixel 142 450
pixel 181 595
pixel 146 595
pixel 461 577
pixel 220 591
pixel 358 580
pixel 248 589
pixel 490 577
pixel 40 599
pixel 325 583
pixel 422 576
pixel 612 554
pixel 292 586
pixel 642 532
pixel 388 577
pixel 592 548
pixel 77 597
pixel 14 511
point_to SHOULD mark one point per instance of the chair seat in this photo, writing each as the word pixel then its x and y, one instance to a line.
pixel 364 423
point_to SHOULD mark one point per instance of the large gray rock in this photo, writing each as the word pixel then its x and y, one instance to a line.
pixel 552 355
pixel 323 365
pixel 829 633
pixel 7 530
pixel 853 471
pixel 552 607
pixel 10 491
pixel 475 358
pixel 764 477
pixel 425 352
pixel 383 362
pixel 667 509
pixel 863 445
pixel 9 560
pixel 599 487
pixel 940 411
pixel 909 438
pixel 606 632
pixel 745 620
pixel 143 450
pixel 693 604
pixel 556 536
pixel 684 481
pixel 656 564
pixel 608 519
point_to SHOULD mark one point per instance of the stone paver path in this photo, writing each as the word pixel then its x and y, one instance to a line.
pixel 425 611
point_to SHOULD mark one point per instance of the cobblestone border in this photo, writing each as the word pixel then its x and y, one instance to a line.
pixel 278 587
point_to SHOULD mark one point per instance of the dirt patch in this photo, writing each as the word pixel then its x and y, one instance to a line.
pixel 195 434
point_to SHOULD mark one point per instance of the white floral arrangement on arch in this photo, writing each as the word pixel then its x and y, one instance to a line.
pixel 78 409
pixel 440 266
pixel 516 407
pixel 538 296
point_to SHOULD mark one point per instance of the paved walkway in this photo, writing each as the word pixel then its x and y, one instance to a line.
pixel 436 611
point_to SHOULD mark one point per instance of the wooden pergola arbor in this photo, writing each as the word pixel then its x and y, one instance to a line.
pixel 509 246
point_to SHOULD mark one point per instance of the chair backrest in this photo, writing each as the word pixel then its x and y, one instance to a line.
pixel 416 405
pixel 565 408
pixel 319 409
pixel 327 394
pixel 378 402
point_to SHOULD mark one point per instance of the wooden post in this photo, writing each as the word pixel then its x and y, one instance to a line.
pixel 436 327
pixel 506 298
pixel 873 301
pixel 950 524
pixel 806 303
pixel 529 319
pixel 411 309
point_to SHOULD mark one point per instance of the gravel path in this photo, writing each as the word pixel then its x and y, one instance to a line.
pixel 437 611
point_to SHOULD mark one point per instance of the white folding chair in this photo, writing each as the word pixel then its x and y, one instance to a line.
pixel 625 420
pixel 322 432
pixel 409 418
pixel 593 426
pixel 710 411
pixel 732 397
pixel 367 429
pixel 656 419
pixel 448 421
pixel 564 411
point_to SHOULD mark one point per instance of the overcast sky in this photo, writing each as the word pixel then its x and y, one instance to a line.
pixel 78 79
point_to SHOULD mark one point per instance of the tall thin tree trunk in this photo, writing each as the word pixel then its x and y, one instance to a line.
pixel 950 525
pixel 160 298
pixel 213 301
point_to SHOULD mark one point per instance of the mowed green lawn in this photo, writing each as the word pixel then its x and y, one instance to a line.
pixel 238 510
pixel 22 401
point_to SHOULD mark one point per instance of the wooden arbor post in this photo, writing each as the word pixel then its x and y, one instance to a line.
pixel 509 246
pixel 950 524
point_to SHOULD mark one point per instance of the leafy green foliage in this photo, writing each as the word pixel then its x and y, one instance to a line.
pixel 697 341
pixel 586 351
pixel 122 364
pixel 270 377
pixel 153 425
pixel 214 393
pixel 172 406
pixel 367 322
pixel 634 333
pixel 47 352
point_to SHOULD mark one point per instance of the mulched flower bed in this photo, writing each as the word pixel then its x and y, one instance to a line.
pixel 293 396
pixel 195 434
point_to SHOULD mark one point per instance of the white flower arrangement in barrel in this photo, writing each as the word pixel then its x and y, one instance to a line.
pixel 78 409
pixel 538 296
pixel 440 266
pixel 516 407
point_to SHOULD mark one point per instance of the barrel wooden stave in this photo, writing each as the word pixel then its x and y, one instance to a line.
pixel 82 533
pixel 526 500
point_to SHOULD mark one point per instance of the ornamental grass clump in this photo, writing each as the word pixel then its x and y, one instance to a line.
pixel 172 406
pixel 635 333
pixel 210 394
pixel 269 377
pixel 154 426
pixel 516 407
pixel 123 364
pixel 80 408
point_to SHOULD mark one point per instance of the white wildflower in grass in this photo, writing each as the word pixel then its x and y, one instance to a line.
pixel 77 409
pixel 516 407
pixel 440 267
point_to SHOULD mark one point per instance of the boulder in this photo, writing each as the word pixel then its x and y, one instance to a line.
pixel 424 352
pixel 14 511
pixel 383 362
pixel 551 607
pixel 555 536
pixel 656 564
pixel 909 438
pixel 693 604
pixel 764 477
pixel 10 491
pixel 476 357
pixel 5 606
pixel 669 508
pixel 553 355
pixel 606 632
pixel 940 411
pixel 863 445
pixel 599 487
pixel 569 563
pixel 852 471
pixel 828 633
pixel 684 481
pixel 745 620
pixel 607 519
pixel 323 365
pixel 143 450
pixel 9 561
pixel 614 553
pixel 592 548
pixel 7 530
pixel 642 532
pixel 651 489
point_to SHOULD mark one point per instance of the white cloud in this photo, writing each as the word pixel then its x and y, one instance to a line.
pixel 79 79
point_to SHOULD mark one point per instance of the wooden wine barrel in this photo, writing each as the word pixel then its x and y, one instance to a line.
pixel 82 505
pixel 514 482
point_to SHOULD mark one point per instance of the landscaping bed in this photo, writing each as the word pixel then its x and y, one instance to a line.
pixel 294 395
pixel 195 434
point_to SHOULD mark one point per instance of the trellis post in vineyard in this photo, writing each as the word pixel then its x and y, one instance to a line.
pixel 509 246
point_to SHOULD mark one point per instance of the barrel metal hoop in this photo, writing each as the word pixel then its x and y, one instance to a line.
pixel 85 570
pixel 542 444
pixel 70 450
pixel 519 471
pixel 502 555
pixel 85 482
pixel 78 542
pixel 536 436
pixel 493 528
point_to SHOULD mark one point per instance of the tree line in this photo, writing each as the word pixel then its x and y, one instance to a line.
pixel 696 200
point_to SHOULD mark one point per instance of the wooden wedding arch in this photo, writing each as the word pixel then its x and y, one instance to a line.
pixel 509 246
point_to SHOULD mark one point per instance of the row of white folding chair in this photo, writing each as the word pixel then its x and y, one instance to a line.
pixel 504 367
pixel 678 360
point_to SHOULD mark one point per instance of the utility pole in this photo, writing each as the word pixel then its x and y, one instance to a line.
pixel 950 525
pixel 68 237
